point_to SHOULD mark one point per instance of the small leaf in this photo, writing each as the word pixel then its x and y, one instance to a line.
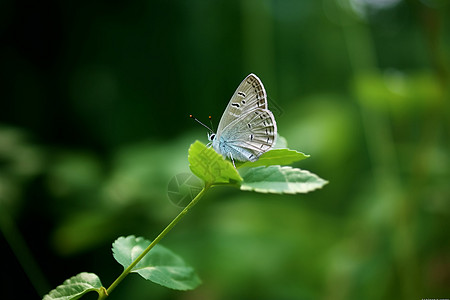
pixel 210 166
pixel 276 157
pixel 280 142
pixel 160 265
pixel 277 179
pixel 76 287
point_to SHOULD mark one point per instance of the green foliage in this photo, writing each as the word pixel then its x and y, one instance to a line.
pixel 277 179
pixel 210 166
pixel 264 175
pixel 76 287
pixel 96 128
pixel 160 265
pixel 276 157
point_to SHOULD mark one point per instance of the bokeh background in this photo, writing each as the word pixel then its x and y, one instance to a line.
pixel 95 98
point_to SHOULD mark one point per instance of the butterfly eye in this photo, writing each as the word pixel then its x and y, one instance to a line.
pixel 211 136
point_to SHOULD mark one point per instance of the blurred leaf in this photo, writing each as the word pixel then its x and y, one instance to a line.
pixel 20 162
pixel 73 172
pixel 76 287
pixel 276 157
pixel 321 122
pixel 278 180
pixel 210 166
pixel 397 91
pixel 280 142
pixel 67 239
pixel 160 265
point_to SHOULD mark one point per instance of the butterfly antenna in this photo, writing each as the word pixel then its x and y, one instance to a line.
pixel 192 117
pixel 210 121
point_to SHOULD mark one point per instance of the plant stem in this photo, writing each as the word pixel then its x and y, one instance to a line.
pixel 155 241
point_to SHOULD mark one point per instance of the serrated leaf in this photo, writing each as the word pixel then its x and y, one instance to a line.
pixel 76 287
pixel 160 265
pixel 276 157
pixel 278 180
pixel 210 166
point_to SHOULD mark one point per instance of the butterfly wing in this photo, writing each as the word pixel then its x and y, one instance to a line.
pixel 249 95
pixel 249 136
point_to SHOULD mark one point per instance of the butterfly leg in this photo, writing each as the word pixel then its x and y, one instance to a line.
pixel 232 160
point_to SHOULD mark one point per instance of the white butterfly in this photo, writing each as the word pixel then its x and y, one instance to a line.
pixel 247 128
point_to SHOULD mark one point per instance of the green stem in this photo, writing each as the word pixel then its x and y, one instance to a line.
pixel 155 241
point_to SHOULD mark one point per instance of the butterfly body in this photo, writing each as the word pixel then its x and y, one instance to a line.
pixel 247 128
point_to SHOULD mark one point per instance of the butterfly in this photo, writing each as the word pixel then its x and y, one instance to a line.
pixel 247 128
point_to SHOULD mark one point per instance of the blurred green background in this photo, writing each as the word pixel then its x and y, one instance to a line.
pixel 94 124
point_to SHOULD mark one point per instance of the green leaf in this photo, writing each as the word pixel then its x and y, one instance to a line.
pixel 210 166
pixel 277 179
pixel 160 265
pixel 76 287
pixel 276 157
